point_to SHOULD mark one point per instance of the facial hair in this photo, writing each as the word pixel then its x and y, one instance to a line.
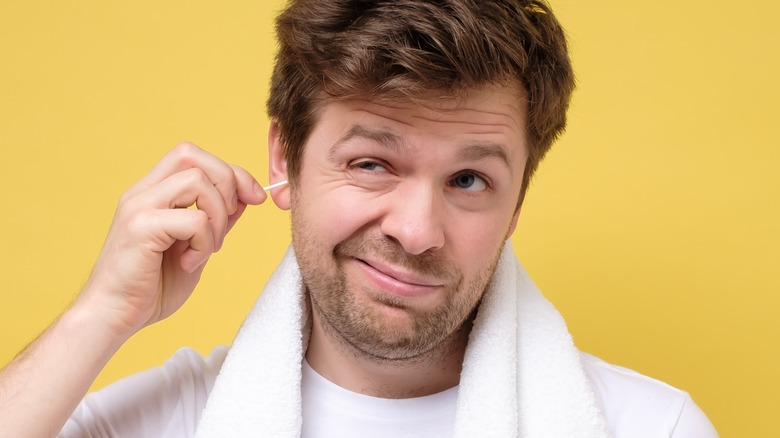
pixel 361 325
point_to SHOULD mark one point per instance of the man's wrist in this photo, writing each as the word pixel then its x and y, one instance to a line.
pixel 87 327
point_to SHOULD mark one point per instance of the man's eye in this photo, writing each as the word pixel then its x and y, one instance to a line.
pixel 470 182
pixel 372 166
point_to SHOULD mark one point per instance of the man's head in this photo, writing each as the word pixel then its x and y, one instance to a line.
pixel 400 212
pixel 418 50
pixel 409 130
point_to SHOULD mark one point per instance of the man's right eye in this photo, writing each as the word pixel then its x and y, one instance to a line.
pixel 371 166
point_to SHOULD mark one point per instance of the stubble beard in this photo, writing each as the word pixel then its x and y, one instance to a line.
pixel 360 327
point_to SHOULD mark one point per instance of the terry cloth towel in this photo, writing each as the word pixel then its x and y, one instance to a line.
pixel 522 375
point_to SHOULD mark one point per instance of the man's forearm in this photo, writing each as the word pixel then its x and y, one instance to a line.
pixel 42 386
pixel 149 265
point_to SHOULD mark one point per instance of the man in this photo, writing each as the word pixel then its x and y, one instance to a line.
pixel 408 131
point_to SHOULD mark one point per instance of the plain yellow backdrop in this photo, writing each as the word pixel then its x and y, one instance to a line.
pixel 652 225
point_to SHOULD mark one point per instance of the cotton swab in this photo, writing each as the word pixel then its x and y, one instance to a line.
pixel 274 185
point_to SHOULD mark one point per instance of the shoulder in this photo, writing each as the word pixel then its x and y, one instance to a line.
pixel 186 376
pixel 639 406
pixel 187 365
pixel 162 401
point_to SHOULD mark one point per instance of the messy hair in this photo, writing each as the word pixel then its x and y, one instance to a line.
pixel 413 49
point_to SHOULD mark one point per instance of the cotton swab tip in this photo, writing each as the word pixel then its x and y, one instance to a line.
pixel 274 185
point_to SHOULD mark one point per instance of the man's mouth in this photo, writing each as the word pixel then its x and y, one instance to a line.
pixel 397 280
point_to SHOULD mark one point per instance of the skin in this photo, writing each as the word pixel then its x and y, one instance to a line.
pixel 399 215
pixel 396 242
pixel 149 265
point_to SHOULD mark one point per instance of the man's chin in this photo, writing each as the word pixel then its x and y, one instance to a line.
pixel 395 338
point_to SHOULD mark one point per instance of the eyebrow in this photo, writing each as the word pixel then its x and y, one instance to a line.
pixel 481 151
pixel 472 152
pixel 383 138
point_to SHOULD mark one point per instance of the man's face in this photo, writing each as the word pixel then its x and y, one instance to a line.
pixel 401 211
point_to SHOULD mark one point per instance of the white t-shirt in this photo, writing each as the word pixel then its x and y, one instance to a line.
pixel 167 402
pixel 330 411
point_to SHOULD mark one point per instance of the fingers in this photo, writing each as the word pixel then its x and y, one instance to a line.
pixel 231 182
pixel 186 226
pixel 157 245
pixel 189 175
pixel 233 218
pixel 248 189
pixel 184 189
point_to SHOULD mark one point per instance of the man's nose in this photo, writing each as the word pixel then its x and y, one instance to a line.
pixel 414 218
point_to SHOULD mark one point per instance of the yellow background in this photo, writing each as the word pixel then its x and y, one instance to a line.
pixel 653 224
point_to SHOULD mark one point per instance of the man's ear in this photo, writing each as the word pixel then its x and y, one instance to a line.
pixel 277 167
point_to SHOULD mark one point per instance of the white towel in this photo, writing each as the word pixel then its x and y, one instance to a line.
pixel 522 375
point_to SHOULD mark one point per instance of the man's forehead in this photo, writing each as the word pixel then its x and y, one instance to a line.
pixel 441 101
pixel 508 96
pixel 470 151
pixel 485 110
pixel 489 121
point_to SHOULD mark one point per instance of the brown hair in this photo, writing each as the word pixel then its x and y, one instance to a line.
pixel 418 49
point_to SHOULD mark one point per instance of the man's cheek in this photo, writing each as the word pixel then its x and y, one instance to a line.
pixel 350 208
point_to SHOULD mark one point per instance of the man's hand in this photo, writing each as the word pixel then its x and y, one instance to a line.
pixel 150 263
pixel 157 247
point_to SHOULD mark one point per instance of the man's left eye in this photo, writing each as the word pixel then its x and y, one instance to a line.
pixel 470 182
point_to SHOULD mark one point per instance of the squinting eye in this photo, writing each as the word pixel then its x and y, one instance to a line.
pixel 371 165
pixel 469 181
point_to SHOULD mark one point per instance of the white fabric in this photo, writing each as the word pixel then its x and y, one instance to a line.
pixel 537 389
pixel 330 411
pixel 638 406
pixel 258 390
pixel 522 375
pixel 558 390
pixel 167 401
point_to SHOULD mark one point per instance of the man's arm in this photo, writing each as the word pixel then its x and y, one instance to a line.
pixel 151 261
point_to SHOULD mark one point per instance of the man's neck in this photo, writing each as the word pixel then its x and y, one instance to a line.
pixel 342 364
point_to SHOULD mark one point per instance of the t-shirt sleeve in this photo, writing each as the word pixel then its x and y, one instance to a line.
pixel 637 406
pixel 161 402
pixel 692 422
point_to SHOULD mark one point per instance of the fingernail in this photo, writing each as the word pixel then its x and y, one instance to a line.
pixel 234 203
